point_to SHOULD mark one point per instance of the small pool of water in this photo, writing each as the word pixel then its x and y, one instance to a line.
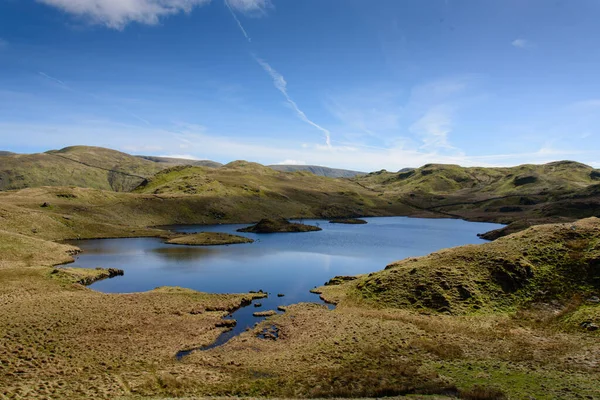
pixel 283 263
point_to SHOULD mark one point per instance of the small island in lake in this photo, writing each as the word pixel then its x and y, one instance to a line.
pixel 348 221
pixel 279 225
pixel 209 239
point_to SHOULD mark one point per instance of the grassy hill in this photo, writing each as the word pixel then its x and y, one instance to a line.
pixel 541 264
pixel 81 166
pixel 522 196
pixel 557 177
pixel 317 170
pixel 533 193
pixel 186 195
pixel 171 162
pixel 250 188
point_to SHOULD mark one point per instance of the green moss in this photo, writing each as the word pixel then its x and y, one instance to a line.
pixel 520 382
pixel 544 263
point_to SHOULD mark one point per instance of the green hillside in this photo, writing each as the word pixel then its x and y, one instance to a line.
pixel 171 162
pixel 557 177
pixel 82 166
pixel 530 194
pixel 541 264
pixel 317 170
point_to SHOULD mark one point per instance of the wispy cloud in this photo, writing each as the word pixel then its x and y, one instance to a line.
pixel 224 148
pixel 250 7
pixel 370 112
pixel 521 43
pixel 281 85
pixel 53 79
pixel 590 104
pixel 70 89
pixel 291 162
pixel 434 127
pixel 117 14
pixel 278 79
pixel 237 20
pixel 3 43
pixel 182 156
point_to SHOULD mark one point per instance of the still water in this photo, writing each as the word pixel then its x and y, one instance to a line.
pixel 282 263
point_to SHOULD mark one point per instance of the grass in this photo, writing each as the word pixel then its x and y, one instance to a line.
pixel 544 263
pixel 365 352
pixel 244 192
pixel 525 195
pixel 82 166
pixel 209 239
pixel 59 339
pixel 501 320
pixel 280 225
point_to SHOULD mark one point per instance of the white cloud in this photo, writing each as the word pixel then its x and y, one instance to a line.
pixel 291 162
pixel 281 85
pixel 239 23
pixel 521 43
pixel 227 148
pixel 251 7
pixel 372 112
pixel 117 14
pixel 434 127
pixel 182 156
pixel 585 105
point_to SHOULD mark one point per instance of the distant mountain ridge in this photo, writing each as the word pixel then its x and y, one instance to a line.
pixel 171 161
pixel 318 170
pixel 7 153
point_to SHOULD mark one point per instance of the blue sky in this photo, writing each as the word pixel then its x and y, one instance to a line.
pixel 360 84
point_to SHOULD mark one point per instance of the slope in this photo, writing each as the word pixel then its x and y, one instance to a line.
pixel 317 170
pixel 541 264
pixel 82 166
pixel 530 194
pixel 171 162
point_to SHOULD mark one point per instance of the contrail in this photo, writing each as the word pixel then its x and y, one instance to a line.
pixel 54 79
pixel 67 87
pixel 281 85
pixel 279 81
pixel 238 22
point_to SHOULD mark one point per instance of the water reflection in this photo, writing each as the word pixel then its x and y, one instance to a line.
pixel 182 253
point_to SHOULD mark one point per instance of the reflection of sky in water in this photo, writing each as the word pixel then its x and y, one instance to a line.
pixel 278 263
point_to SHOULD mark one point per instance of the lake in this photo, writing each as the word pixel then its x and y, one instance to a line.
pixel 282 263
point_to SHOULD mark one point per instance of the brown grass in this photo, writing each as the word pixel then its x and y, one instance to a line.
pixel 61 340
pixel 209 239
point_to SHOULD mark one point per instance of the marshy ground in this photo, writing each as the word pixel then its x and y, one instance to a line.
pixel 59 339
